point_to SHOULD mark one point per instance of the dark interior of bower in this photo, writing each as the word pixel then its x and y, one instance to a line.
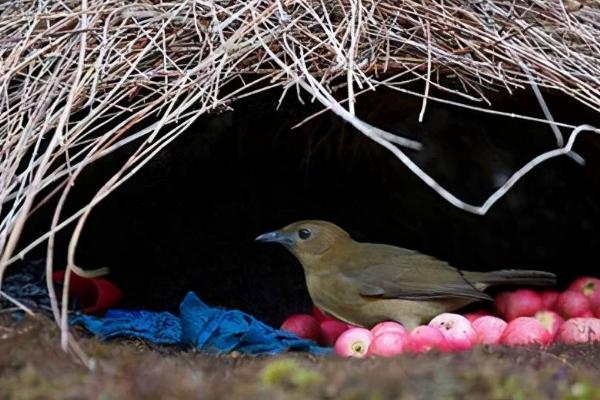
pixel 187 220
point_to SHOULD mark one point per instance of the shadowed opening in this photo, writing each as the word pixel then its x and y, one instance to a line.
pixel 187 221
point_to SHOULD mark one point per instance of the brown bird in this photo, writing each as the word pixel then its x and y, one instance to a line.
pixel 366 283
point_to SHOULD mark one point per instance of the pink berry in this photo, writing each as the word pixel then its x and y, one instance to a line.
pixel 551 321
pixel 522 303
pixel 489 329
pixel 523 331
pixel 424 338
pixel 549 298
pixel 589 287
pixel 331 330
pixel 457 330
pixel 303 325
pixel 580 330
pixel 354 342
pixel 474 315
pixel 571 304
pixel 318 314
pixel 388 344
pixel 587 314
pixel 388 326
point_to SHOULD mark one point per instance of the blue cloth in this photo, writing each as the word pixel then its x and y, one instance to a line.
pixel 155 327
pixel 26 282
pixel 208 329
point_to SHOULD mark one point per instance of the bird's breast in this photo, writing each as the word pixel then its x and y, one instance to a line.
pixel 334 294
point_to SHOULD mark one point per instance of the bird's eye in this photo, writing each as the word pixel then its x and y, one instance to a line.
pixel 304 234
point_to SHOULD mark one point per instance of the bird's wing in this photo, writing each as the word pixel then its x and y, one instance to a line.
pixel 413 276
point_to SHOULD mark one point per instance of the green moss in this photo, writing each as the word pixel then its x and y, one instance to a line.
pixel 361 394
pixel 584 390
pixel 288 373
pixel 510 388
pixel 27 384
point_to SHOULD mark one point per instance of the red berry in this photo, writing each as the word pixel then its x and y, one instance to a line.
pixel 571 304
pixel 331 330
pixel 525 331
pixel 303 325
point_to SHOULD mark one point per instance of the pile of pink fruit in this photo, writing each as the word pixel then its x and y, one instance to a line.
pixel 522 317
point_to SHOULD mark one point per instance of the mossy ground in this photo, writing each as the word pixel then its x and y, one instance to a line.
pixel 32 366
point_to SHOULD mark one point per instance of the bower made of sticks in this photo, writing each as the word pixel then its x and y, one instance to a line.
pixel 159 139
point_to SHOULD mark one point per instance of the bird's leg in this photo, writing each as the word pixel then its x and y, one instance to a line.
pixel 409 322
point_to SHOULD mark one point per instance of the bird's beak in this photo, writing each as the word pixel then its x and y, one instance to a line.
pixel 276 237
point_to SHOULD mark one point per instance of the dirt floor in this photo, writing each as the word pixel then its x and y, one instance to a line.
pixel 32 366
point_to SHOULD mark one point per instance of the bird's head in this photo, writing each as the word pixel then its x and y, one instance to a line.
pixel 307 239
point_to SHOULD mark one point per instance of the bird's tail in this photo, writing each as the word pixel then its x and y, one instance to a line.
pixel 511 277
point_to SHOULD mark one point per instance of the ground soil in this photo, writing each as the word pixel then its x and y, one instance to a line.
pixel 32 366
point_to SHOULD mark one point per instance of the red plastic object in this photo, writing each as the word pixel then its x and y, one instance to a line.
pixel 95 295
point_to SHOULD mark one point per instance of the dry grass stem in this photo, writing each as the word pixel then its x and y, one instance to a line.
pixel 80 80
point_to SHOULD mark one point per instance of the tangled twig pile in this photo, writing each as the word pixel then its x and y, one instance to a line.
pixel 81 79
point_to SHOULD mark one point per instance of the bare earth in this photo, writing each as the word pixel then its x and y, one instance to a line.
pixel 32 366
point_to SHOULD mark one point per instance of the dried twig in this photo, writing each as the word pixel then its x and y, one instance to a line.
pixel 80 79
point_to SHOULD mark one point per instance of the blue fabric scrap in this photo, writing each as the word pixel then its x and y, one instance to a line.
pixel 208 329
pixel 27 283
pixel 155 327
